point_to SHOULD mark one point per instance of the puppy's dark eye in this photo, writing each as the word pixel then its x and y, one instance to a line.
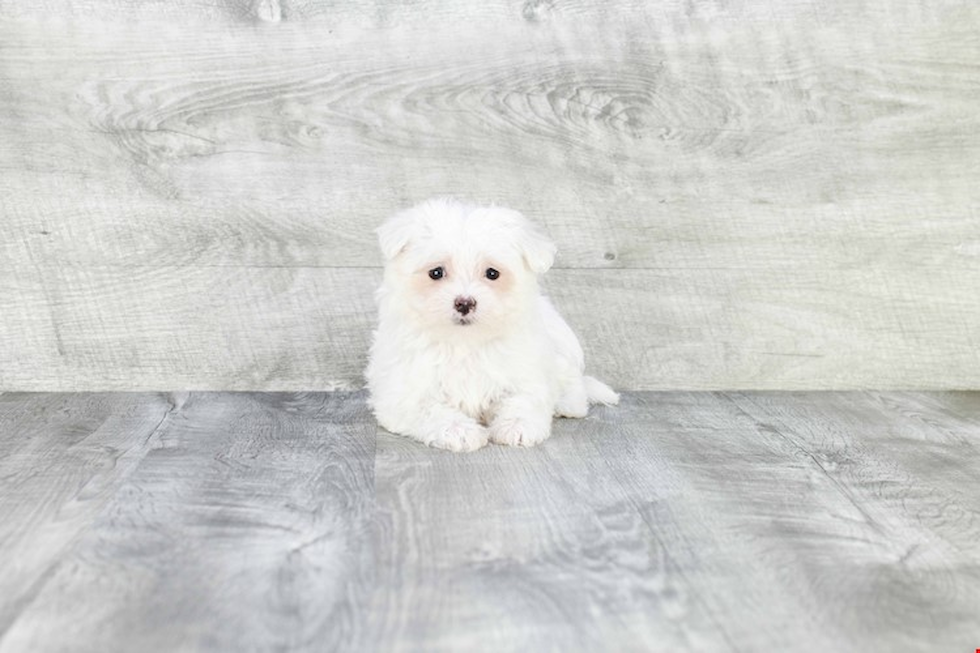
pixel 436 273
pixel 492 274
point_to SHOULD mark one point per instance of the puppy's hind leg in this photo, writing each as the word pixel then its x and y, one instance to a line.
pixel 574 402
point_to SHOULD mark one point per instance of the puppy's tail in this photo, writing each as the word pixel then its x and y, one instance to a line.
pixel 599 392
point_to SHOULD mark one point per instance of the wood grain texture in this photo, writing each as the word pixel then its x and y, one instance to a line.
pixel 903 519
pixel 309 328
pixel 680 521
pixel 245 525
pixel 62 459
pixel 544 551
pixel 801 177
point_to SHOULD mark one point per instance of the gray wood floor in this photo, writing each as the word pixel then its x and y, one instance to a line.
pixel 677 522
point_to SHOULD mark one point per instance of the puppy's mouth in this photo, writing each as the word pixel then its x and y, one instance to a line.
pixel 463 320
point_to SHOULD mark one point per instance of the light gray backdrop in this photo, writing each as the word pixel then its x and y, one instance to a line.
pixel 745 194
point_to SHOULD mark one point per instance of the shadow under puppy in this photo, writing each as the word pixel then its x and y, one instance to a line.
pixel 467 350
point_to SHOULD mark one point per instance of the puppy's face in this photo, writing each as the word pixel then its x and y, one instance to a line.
pixel 457 270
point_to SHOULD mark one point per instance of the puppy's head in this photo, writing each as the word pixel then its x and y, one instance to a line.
pixel 452 268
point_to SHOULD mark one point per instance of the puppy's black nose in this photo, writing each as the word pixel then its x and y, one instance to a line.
pixel 464 305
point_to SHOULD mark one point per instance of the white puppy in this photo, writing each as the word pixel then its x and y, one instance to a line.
pixel 467 350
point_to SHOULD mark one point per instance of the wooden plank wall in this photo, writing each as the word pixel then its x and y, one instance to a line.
pixel 745 194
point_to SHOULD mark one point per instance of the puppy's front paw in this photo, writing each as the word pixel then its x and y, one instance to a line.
pixel 518 432
pixel 460 436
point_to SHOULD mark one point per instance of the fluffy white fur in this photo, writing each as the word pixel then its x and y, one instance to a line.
pixel 456 376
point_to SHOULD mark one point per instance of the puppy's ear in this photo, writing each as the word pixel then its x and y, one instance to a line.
pixel 535 246
pixel 395 233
